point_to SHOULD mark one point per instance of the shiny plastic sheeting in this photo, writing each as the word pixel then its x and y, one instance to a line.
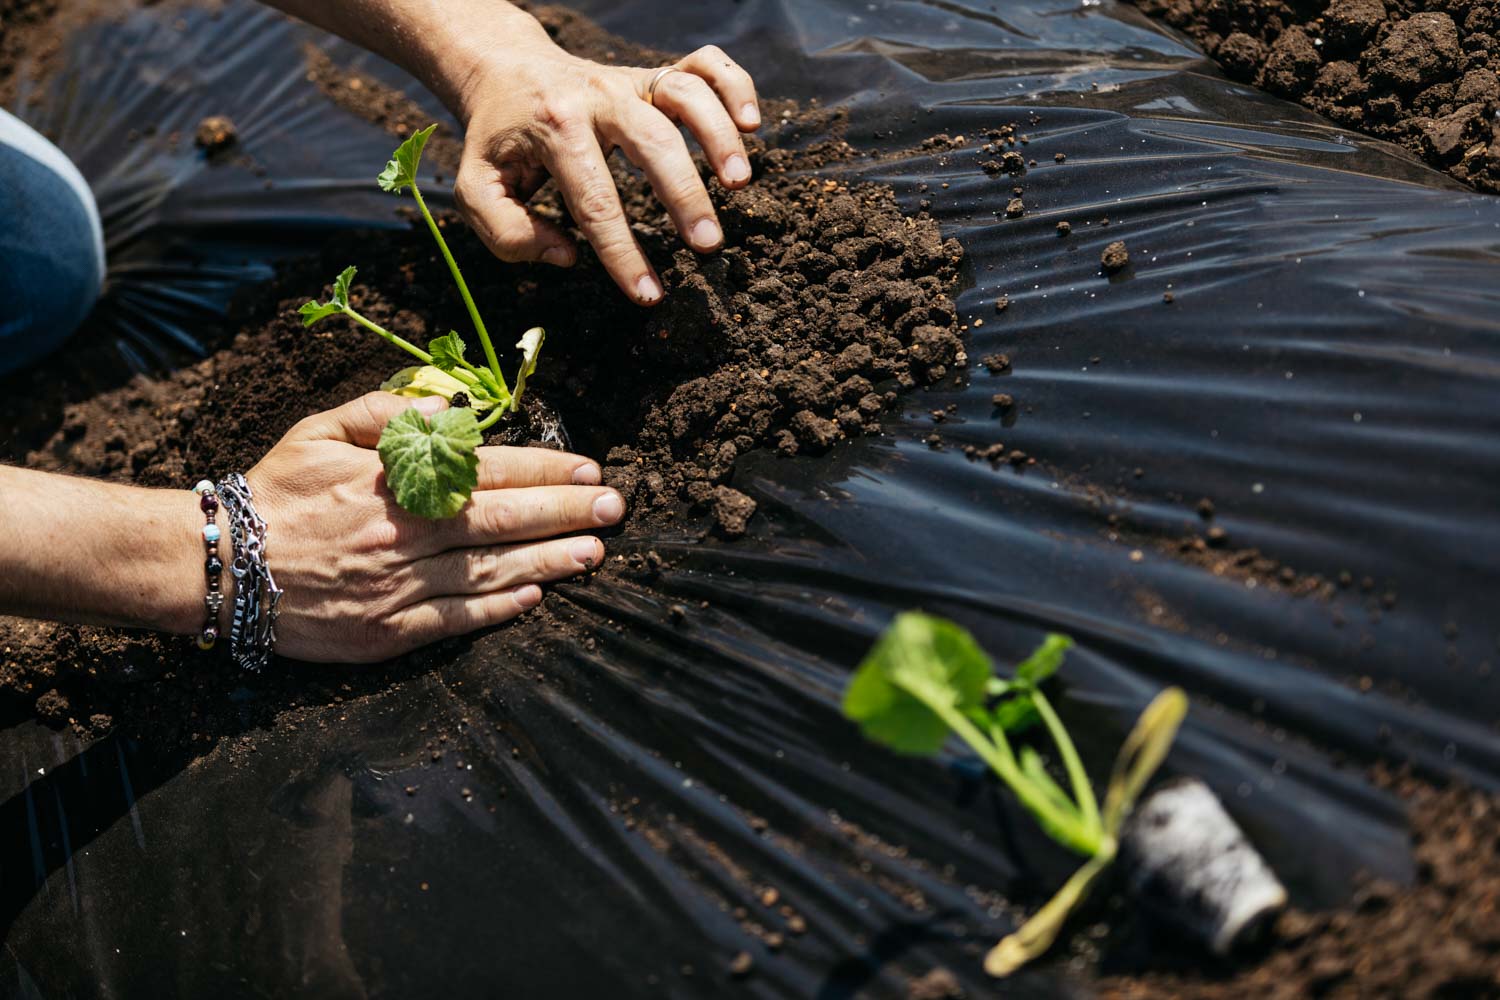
pixel 1327 374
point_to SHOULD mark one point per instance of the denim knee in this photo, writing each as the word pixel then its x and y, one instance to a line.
pixel 51 246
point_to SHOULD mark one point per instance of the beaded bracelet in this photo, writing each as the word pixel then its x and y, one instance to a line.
pixel 213 567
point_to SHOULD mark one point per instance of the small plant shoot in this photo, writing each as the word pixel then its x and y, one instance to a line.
pixel 927 679
pixel 432 465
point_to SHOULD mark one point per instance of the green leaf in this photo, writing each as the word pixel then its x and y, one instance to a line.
pixel 313 312
pixel 919 662
pixel 530 346
pixel 400 171
pixel 1016 713
pixel 431 467
pixel 447 351
pixel 1044 662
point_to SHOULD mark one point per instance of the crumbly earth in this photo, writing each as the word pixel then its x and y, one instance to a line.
pixel 1422 73
pixel 1438 938
pixel 826 303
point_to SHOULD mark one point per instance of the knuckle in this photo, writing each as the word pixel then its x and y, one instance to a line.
pixel 497 519
pixel 659 139
pixel 559 112
pixel 381 535
pixel 596 204
pixel 712 52
pixel 485 567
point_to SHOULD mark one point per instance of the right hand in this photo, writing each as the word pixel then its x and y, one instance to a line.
pixel 364 580
pixel 533 111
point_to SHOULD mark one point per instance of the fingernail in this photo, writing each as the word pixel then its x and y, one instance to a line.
pixel 750 113
pixel 585 552
pixel 529 596
pixel 736 169
pixel 429 405
pixel 558 256
pixel 586 475
pixel 706 234
pixel 647 289
pixel 609 508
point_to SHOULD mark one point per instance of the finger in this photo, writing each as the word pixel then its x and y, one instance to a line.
pixel 493 517
pixel 496 568
pixel 443 617
pixel 735 87
pixel 360 421
pixel 575 159
pixel 688 99
pixel 506 468
pixel 655 145
pixel 504 224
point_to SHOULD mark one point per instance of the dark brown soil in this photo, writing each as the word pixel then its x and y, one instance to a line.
pixel 1439 938
pixel 1422 73
pixel 827 302
pixel 824 304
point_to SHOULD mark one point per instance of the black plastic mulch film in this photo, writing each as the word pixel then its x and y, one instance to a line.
pixel 1329 373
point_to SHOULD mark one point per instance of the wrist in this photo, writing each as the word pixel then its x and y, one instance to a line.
pixel 472 42
pixel 175 584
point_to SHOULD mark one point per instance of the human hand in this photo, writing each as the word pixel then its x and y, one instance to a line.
pixel 365 581
pixel 531 111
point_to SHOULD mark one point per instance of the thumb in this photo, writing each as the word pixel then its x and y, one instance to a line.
pixel 360 421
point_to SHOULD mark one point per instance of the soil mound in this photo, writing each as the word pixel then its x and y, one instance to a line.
pixel 1425 75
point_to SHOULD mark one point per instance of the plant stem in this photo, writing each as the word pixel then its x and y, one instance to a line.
pixel 1037 934
pixel 463 287
pixel 388 335
pixel 1069 830
pixel 494 415
pixel 1083 792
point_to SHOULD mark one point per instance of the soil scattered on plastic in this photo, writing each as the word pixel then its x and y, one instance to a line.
pixel 1437 938
pixel 826 302
pixel 1425 75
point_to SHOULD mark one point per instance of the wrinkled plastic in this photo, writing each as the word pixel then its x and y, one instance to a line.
pixel 1327 374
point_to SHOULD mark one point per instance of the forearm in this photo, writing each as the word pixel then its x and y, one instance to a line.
pixel 97 553
pixel 440 42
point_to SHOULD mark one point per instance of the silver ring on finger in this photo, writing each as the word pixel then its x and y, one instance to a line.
pixel 656 81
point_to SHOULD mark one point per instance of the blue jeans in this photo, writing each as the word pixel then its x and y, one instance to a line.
pixel 51 246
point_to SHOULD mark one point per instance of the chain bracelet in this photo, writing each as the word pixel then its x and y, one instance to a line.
pixel 257 599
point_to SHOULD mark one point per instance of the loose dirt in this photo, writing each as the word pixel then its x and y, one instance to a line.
pixel 827 302
pixel 1425 75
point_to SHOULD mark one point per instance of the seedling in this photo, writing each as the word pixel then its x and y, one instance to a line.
pixel 927 678
pixel 432 466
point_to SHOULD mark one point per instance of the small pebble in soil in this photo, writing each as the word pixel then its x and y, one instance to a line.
pixel 1059 157
pixel 1015 209
pixel 215 133
pixel 1206 508
pixel 1064 227
pixel 996 363
pixel 1217 535
pixel 1003 400
pixel 741 965
pixel 1115 257
pixel 1167 297
pixel 1002 303
pixel 938 984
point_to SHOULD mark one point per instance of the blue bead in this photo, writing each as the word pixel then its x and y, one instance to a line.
pixel 210 532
